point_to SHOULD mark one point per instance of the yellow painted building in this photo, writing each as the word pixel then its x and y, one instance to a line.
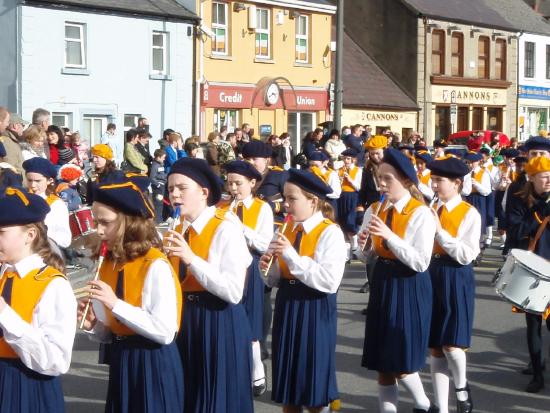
pixel 265 63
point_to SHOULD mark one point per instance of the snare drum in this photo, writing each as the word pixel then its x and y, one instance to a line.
pixel 81 222
pixel 524 280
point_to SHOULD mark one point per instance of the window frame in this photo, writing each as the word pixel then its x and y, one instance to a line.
pixel 260 31
pixel 548 61
pixel 459 54
pixel 502 59
pixel 301 37
pixel 219 26
pixel 67 116
pixel 529 71
pixel 485 57
pixel 439 53
pixel 165 48
pixel 82 41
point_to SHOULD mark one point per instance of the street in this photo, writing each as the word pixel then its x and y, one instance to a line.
pixel 498 353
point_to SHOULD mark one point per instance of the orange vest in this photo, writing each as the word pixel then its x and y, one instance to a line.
pixel 26 293
pixel 134 279
pixel 308 244
pixel 450 221
pixel 52 198
pixel 478 177
pixel 200 245
pixel 346 185
pixel 250 215
pixel 323 175
pixel 425 179
pixel 398 225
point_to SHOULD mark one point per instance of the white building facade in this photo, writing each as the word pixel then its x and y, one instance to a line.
pixel 93 66
pixel 534 85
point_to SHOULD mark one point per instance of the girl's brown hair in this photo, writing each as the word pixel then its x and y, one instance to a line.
pixel 109 167
pixel 135 236
pixel 410 186
pixel 527 194
pixel 321 205
pixel 41 246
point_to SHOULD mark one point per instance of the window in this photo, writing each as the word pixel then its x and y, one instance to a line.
pixel 461 118
pixel 225 117
pixel 483 57
pixel 219 27
pixel 457 54
pixel 548 61
pixel 438 52
pixel 263 34
pixel 302 41
pixel 160 53
pixel 63 120
pixel 93 127
pixel 130 121
pixel 500 59
pixel 494 119
pixel 529 65
pixel 442 122
pixel 477 118
pixel 299 124
pixel 75 45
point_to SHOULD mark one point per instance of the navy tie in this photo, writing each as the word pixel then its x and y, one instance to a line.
pixel 298 240
pixel 6 291
pixel 389 219
pixel 182 265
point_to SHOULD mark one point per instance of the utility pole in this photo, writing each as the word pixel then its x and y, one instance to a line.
pixel 338 86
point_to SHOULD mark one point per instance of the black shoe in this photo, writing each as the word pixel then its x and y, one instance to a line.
pixel 433 409
pixel 528 371
pixel 364 288
pixel 364 311
pixel 259 389
pixel 467 405
pixel 535 385
pixel 265 355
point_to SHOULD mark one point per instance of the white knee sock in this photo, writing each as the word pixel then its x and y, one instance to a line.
pixel 457 364
pixel 354 242
pixel 257 365
pixel 440 382
pixel 503 236
pixel 489 232
pixel 413 384
pixel 348 249
pixel 388 398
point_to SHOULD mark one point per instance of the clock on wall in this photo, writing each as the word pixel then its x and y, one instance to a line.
pixel 272 94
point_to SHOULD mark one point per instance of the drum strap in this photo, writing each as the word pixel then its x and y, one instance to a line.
pixel 533 241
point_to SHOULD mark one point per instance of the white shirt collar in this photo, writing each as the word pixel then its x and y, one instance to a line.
pixel 25 266
pixel 402 203
pixel 247 202
pixel 311 222
pixel 200 222
pixel 451 203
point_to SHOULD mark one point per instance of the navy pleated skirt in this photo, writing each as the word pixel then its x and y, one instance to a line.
pixel 25 391
pixel 499 212
pixel 479 202
pixel 304 346
pixel 144 376
pixel 453 303
pixel 347 205
pixel 490 214
pixel 253 298
pixel 398 319
pixel 216 352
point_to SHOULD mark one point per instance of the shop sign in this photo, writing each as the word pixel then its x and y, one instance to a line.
pixel 534 92
pixel 468 95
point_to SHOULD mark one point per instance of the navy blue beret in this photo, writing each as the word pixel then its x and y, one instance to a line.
pixel 473 157
pixel 537 143
pixel 509 152
pixel 402 163
pixel 439 143
pixel 142 181
pixel 243 168
pixel 350 152
pixel 406 146
pixel 19 207
pixel 456 152
pixel 2 150
pixel 448 167
pixel 423 156
pixel 199 171
pixel 10 178
pixel 521 148
pixel 40 166
pixel 257 149
pixel 318 156
pixel 124 196
pixel 309 182
pixel 521 159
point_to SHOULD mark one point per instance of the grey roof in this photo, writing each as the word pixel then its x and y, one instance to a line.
pixel 512 15
pixel 366 85
pixel 157 8
pixel 544 6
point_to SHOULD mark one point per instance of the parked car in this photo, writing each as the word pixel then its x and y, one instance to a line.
pixel 474 143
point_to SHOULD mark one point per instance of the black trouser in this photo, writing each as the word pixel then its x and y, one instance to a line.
pixel 267 318
pixel 534 341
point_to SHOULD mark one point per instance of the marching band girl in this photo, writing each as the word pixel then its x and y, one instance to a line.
pixel 40 175
pixel 493 171
pixel 350 178
pixel 317 165
pixel 256 218
pixel 136 305
pixel 424 177
pixel 37 309
pixel 211 256
pixel 458 227
pixel 507 174
pixel 308 270
pixel 400 303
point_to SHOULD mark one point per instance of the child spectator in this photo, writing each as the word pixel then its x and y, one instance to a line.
pixel 158 182
pixel 68 177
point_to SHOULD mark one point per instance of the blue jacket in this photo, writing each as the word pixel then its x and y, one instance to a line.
pixel 171 157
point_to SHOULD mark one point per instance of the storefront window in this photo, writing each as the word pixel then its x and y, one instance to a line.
pixel 299 124
pixel 462 119
pixel 226 117
pixel 494 119
pixel 537 119
pixel 477 118
pixel 442 121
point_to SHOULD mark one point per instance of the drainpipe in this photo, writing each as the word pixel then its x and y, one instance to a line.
pixel 425 108
pixel 517 86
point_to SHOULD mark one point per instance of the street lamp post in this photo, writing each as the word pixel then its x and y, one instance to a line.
pixel 338 87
